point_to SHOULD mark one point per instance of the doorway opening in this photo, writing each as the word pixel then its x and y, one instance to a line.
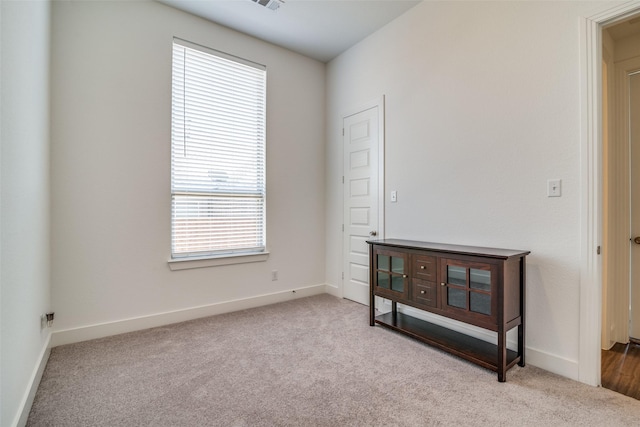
pixel 620 356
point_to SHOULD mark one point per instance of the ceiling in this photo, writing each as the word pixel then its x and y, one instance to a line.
pixel 320 29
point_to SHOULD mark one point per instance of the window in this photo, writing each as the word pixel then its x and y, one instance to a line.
pixel 217 154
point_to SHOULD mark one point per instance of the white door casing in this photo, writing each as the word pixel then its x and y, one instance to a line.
pixel 591 183
pixel 634 143
pixel 362 197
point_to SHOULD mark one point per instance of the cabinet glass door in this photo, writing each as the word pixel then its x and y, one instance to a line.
pixel 468 286
pixel 480 291
pixel 384 277
pixel 391 273
pixel 397 264
pixel 457 294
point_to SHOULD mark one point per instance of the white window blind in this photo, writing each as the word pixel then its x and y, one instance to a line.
pixel 217 153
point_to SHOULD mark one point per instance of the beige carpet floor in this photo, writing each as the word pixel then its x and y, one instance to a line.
pixel 309 362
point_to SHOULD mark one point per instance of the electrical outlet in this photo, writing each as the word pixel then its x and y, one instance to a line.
pixel 46 320
pixel 274 275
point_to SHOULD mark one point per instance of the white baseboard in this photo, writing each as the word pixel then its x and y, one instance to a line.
pixel 553 363
pixel 102 330
pixel 333 290
pixel 34 382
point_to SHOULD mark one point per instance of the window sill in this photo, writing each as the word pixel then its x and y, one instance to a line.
pixel 188 263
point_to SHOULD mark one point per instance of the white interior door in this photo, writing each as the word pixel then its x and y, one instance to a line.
pixel 361 218
pixel 634 138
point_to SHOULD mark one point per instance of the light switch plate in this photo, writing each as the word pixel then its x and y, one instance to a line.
pixel 394 196
pixel 554 188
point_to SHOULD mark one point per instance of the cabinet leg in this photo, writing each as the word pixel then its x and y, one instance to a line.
pixel 523 279
pixel 502 356
pixel 521 344
pixel 372 311
pixel 372 296
pixel 394 308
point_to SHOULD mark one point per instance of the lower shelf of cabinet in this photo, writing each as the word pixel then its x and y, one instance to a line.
pixel 472 349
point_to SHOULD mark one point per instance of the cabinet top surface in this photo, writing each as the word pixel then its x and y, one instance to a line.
pixel 457 249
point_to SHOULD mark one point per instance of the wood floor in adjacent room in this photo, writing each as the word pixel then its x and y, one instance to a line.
pixel 621 369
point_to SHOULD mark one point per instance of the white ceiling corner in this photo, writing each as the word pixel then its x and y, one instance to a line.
pixel 319 29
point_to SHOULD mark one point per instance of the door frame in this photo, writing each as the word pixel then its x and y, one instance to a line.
pixel 380 103
pixel 591 188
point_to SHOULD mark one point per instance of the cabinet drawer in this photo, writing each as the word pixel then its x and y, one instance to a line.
pixel 424 293
pixel 425 267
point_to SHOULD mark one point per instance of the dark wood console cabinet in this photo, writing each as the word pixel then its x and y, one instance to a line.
pixel 484 287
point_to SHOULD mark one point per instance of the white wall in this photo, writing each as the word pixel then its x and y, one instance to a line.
pixel 24 215
pixel 111 99
pixel 482 108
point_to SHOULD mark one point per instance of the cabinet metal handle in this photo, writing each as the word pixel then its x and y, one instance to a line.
pixel 637 240
pixel 423 292
pixel 373 233
pixel 422 267
pixel 405 276
pixel 443 284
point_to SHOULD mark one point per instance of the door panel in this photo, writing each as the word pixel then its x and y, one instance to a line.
pixel 361 181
